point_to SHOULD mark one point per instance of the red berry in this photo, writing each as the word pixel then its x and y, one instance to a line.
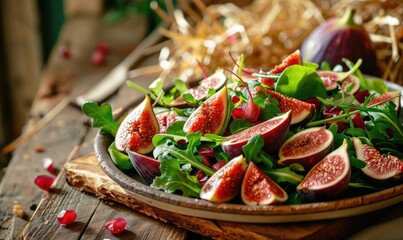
pixel 44 182
pixel 102 47
pixel 48 165
pixel 97 58
pixel 66 217
pixel 116 226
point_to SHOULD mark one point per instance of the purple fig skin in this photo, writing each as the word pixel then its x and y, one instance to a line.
pixel 328 178
pixel 273 131
pixel 147 167
pixel 307 147
pixel 226 183
pixel 260 189
pixel 340 38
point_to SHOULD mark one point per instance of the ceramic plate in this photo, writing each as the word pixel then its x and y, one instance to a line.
pixel 239 212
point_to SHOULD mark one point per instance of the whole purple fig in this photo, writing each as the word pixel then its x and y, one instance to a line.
pixel 340 38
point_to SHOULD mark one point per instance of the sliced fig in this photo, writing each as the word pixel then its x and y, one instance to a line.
pixel 306 147
pixel 137 129
pixel 379 167
pixel 226 183
pixel 327 178
pixel 216 81
pixel 331 80
pixel 301 111
pixel 260 189
pixel 293 58
pixel 393 96
pixel 273 131
pixel 210 116
pixel 147 167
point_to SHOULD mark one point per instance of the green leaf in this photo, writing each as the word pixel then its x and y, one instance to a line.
pixel 120 159
pixel 285 175
pixel 189 98
pixel 101 117
pixel 173 178
pixel 176 128
pixel 156 86
pixel 357 162
pixel 180 85
pixel 238 125
pixel 253 147
pixel 300 82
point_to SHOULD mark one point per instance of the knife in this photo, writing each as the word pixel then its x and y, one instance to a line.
pixel 119 74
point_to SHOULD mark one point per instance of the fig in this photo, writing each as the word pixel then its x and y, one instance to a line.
pixel 273 130
pixel 379 167
pixel 340 38
pixel 293 58
pixel 216 81
pixel 137 129
pixel 226 183
pixel 147 167
pixel 393 96
pixel 327 178
pixel 306 147
pixel 260 189
pixel 301 111
pixel 210 116
pixel 331 81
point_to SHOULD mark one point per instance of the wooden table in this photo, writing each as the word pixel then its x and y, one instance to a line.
pixel 68 137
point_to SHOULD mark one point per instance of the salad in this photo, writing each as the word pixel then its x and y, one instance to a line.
pixel 292 134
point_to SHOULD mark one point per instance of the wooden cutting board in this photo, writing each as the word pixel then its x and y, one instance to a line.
pixel 85 174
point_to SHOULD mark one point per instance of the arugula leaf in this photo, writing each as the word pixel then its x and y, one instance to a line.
pixel 253 150
pixel 173 178
pixel 238 125
pixel 300 82
pixel 120 159
pixel 180 85
pixel 176 128
pixel 101 117
pixel 285 175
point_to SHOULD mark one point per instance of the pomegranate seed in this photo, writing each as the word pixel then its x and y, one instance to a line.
pixel 97 58
pixel 219 164
pixel 358 121
pixel 331 111
pixel 116 226
pixel 102 47
pixel 64 51
pixel 235 99
pixel 44 182
pixel 361 95
pixel 48 165
pixel 205 160
pixel 66 217
pixel 206 150
pixel 237 113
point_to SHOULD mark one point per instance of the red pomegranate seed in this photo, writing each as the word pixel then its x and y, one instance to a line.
pixel 116 226
pixel 206 150
pixel 219 164
pixel 97 58
pixel 44 182
pixel 66 217
pixel 48 165
pixel 102 47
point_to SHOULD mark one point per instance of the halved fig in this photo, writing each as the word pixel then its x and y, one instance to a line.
pixel 379 167
pixel 226 183
pixel 216 81
pixel 301 111
pixel 210 116
pixel 331 80
pixel 273 131
pixel 293 58
pixel 327 178
pixel 147 167
pixel 306 147
pixel 260 189
pixel 393 96
pixel 137 129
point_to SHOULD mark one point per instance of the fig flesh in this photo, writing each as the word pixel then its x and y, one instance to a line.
pixel 327 178
pixel 379 167
pixel 341 38
pixel 331 81
pixel 301 111
pixel 226 183
pixel 147 167
pixel 137 129
pixel 393 96
pixel 306 147
pixel 273 131
pixel 216 81
pixel 260 189
pixel 210 116
pixel 292 59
